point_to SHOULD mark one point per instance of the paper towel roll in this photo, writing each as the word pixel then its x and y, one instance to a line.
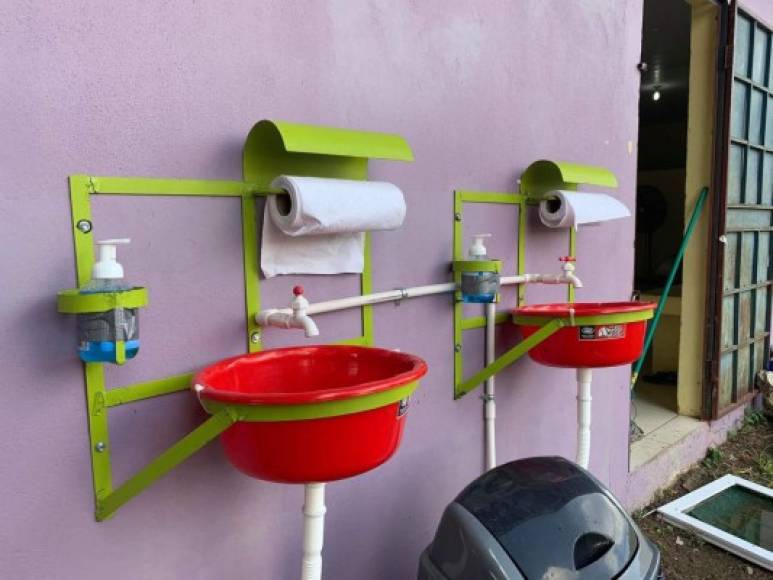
pixel 314 205
pixel 317 227
pixel 572 209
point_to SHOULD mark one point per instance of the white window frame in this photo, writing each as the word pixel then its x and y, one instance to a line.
pixel 675 512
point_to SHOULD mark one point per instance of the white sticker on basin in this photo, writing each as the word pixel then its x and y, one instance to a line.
pixel 603 332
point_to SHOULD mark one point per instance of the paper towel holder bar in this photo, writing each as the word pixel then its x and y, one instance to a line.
pixel 267 191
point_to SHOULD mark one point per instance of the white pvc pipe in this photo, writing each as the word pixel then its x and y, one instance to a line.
pixel 584 377
pixel 489 404
pixel 379 297
pixel 416 292
pixel 313 530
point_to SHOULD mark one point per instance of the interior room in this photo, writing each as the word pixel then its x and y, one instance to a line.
pixel 660 201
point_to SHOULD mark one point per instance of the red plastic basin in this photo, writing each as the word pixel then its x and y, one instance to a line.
pixel 308 381
pixel 605 344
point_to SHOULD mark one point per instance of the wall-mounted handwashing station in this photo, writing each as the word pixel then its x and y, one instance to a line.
pixel 582 335
pixel 273 148
pixel 318 401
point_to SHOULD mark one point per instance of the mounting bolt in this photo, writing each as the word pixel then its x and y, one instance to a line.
pixel 458 216
pixel 100 446
pixel 642 66
pixel 84 226
pixel 255 337
pixel 457 348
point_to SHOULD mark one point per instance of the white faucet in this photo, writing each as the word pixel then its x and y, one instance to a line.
pixel 568 269
pixel 568 277
pixel 295 319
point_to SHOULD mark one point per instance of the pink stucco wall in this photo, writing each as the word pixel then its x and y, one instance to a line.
pixel 479 89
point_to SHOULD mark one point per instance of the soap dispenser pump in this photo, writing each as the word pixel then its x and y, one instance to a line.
pixel 478 250
pixel 480 274
pixel 111 336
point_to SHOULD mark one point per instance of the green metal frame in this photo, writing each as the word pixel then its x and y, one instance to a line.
pixel 539 178
pixel 272 148
pixel 460 322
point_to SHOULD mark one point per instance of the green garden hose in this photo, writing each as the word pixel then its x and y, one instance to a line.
pixel 669 282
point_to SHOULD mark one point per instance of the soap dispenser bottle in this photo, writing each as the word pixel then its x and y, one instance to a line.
pixel 99 332
pixel 479 285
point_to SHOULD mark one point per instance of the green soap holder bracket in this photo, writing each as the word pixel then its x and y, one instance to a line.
pixel 461 266
pixel 73 302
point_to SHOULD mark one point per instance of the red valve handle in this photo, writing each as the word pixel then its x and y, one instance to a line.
pixel 298 290
pixel 567 259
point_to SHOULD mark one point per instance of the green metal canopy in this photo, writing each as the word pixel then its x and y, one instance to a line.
pixel 545 175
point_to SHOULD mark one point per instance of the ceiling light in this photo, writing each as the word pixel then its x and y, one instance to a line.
pixel 656 95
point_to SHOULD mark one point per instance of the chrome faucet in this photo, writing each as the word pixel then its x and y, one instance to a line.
pixel 297 318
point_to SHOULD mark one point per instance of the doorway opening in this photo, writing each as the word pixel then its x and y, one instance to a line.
pixel 674 95
pixel 706 123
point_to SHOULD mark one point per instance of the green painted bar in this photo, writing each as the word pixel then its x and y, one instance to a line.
pixel 99 435
pixel 81 211
pixel 358 341
pixel 120 352
pixel 165 462
pixel 491 197
pixel 522 215
pixel 508 358
pixel 183 187
pixel 251 257
pixel 150 389
pixel 458 254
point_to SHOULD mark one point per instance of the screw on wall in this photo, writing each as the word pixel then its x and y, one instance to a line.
pixel 458 216
pixel 457 348
pixel 100 447
pixel 255 337
pixel 84 226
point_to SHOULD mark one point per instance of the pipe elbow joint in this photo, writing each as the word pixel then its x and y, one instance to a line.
pixel 309 326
